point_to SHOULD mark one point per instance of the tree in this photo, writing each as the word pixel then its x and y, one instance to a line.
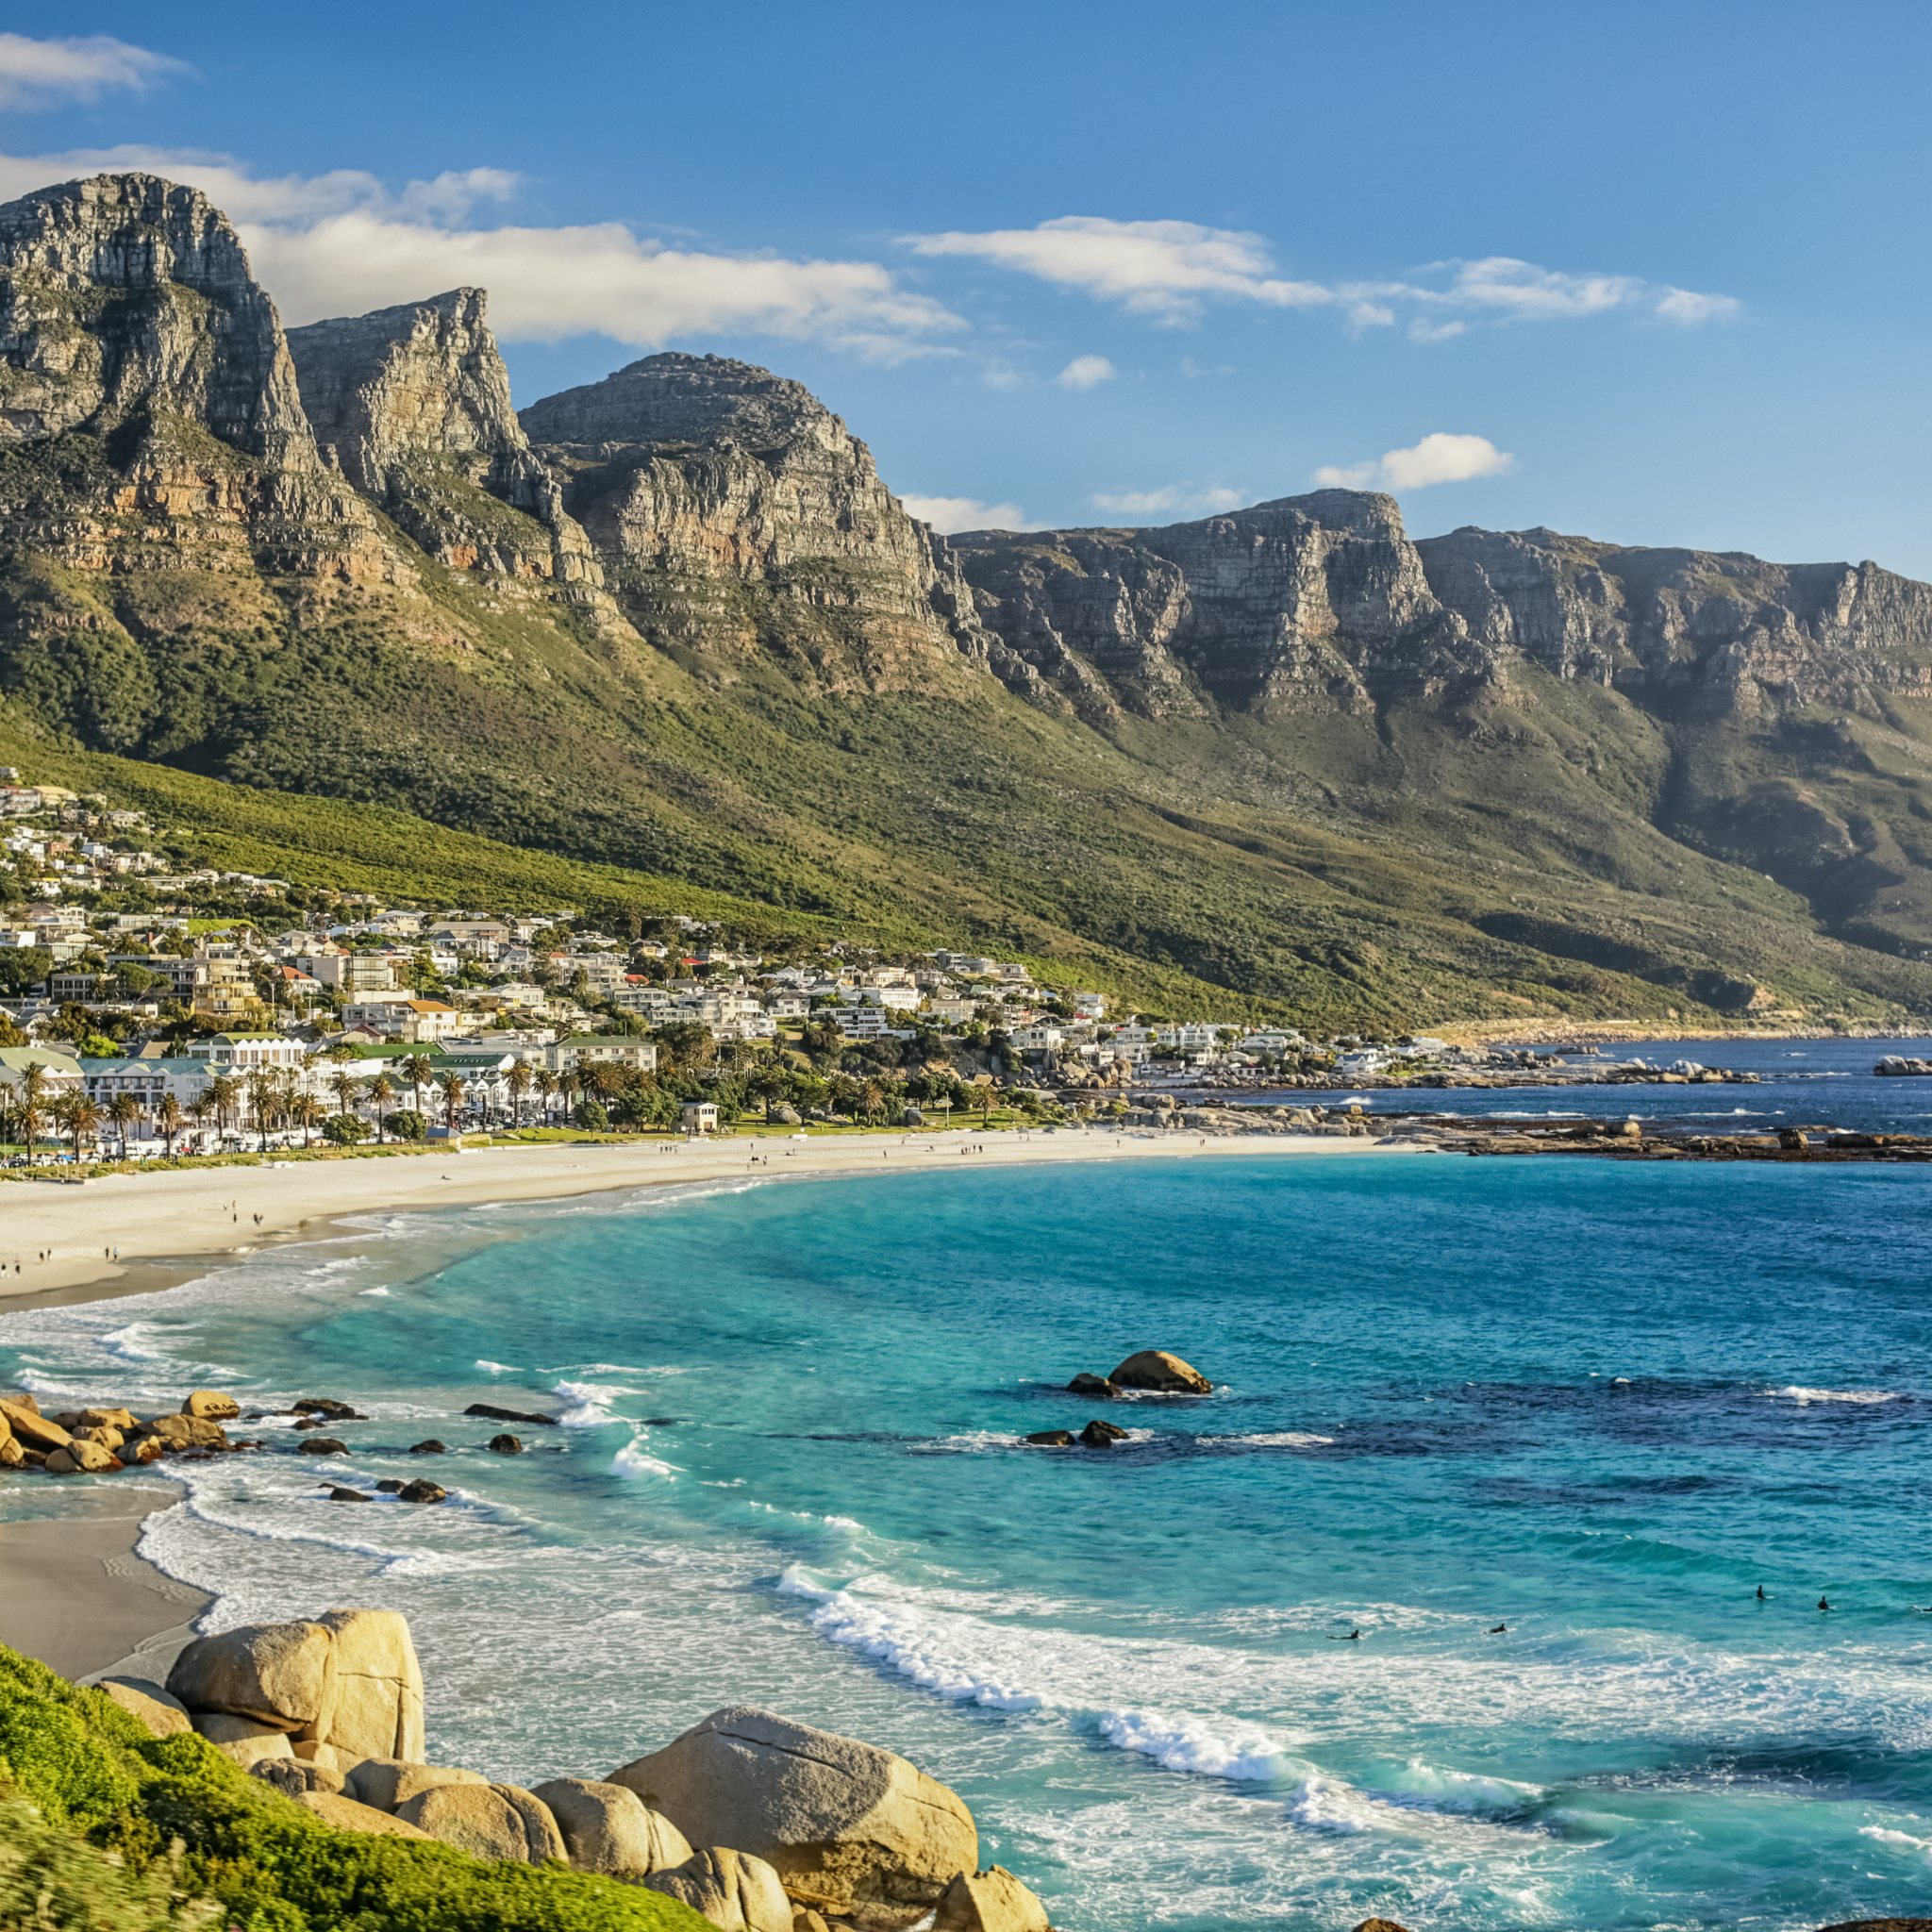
pixel 304 1110
pixel 417 1072
pixel 168 1118
pixel 343 1084
pixel 202 1106
pixel 983 1100
pixel 592 1117
pixel 344 1129
pixel 518 1081
pixel 547 1084
pixel 23 968
pixel 33 1094
pixel 454 1089
pixel 768 1082
pixel 123 1110
pixel 262 1088
pixel 407 1125
pixel 381 1092
pixel 79 1116
pixel 226 1092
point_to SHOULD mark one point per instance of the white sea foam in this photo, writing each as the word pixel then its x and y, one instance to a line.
pixel 1882 1836
pixel 631 1460
pixel 1806 1395
pixel 496 1368
pixel 1284 1439
pixel 588 1403
pixel 1216 1747
pixel 363 1293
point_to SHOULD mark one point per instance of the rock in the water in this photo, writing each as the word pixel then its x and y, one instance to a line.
pixel 421 1490
pixel 501 1822
pixel 854 1832
pixel 508 1415
pixel 1154 1368
pixel 608 1829
pixel 378 1706
pixel 337 1494
pixel 280 1674
pixel 211 1405
pixel 431 1447
pixel 990 1901
pixel 1100 1435
pixel 29 1427
pixel 506 1445
pixel 165 1716
pixel 322 1445
pixel 345 1814
pixel 736 1891
pixel 82 1458
pixel 389 1783
pixel 1052 1438
pixel 241 1737
pixel 390 1486
pixel 1390 1926
pixel 1098 1388
pixel 120 1419
pixel 327 1407
pixel 11 1455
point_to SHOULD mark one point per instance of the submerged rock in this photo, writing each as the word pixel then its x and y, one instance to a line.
pixel 1100 1435
pixel 1052 1438
pixel 506 1445
pixel 1095 1388
pixel 492 1413
pixel 1154 1368
pixel 421 1490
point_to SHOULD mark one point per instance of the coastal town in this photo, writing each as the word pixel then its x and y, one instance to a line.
pixel 153 1011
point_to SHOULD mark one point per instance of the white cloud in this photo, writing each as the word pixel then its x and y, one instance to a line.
pixel 949 514
pixel 42 74
pixel 342 243
pixel 1157 268
pixel 1437 459
pixel 1171 496
pixel 1086 372
pixel 1501 289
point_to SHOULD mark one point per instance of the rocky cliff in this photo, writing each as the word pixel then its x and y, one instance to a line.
pixel 734 513
pixel 412 404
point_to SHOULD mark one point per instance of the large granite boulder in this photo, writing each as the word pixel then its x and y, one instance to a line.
pixel 345 1814
pixel 378 1706
pixel 854 1832
pixel 735 1891
pixel 387 1784
pixel 28 1426
pixel 1154 1368
pixel 211 1405
pixel 241 1737
pixel 165 1716
pixel 990 1901
pixel 82 1458
pixel 501 1822
pixel 609 1828
pixel 280 1674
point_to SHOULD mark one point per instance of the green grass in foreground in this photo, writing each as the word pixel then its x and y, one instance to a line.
pixel 103 1826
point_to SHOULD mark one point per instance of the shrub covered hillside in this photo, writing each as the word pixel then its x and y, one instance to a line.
pixel 105 1828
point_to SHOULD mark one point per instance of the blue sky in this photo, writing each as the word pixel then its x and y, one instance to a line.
pixel 1652 274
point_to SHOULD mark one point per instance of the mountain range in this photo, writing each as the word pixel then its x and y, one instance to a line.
pixel 1283 761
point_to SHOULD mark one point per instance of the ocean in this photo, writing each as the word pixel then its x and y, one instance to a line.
pixel 1537 1431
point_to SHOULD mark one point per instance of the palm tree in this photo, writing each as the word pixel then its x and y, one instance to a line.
pixel 518 1081
pixel 79 1116
pixel 304 1110
pixel 203 1105
pixel 454 1087
pixel 547 1084
pixel 226 1092
pixel 381 1092
pixel 123 1110
pixel 344 1084
pixel 33 1090
pixel 261 1086
pixel 417 1070
pixel 168 1118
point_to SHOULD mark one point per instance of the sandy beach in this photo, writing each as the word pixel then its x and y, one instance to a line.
pixel 180 1222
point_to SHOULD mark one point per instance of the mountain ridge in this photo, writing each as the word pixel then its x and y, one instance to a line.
pixel 677 621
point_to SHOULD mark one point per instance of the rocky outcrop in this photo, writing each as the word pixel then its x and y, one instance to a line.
pixel 1155 1368
pixel 734 1891
pixel 608 1829
pixel 735 513
pixel 502 1823
pixel 990 1901
pixel 390 1783
pixel 854 1832
pixel 412 404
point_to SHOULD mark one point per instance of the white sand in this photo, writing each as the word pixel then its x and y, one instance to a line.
pixel 210 1212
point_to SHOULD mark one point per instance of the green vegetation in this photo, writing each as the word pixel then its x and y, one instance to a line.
pixel 103 1826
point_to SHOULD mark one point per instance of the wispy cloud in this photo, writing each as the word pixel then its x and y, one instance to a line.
pixel 950 514
pixel 1501 289
pixel 44 74
pixel 1171 496
pixel 342 243
pixel 1163 269
pixel 1086 372
pixel 1437 459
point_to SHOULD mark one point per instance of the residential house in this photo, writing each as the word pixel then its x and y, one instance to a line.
pixel 363 971
pixel 149 1080
pixel 247 1053
pixel 698 1117
pixel 608 1049
pixel 407 1017
pixel 60 1072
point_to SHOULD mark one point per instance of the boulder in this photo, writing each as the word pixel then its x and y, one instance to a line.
pixel 292 1776
pixel 378 1687
pixel 11 1455
pixel 281 1674
pixel 1052 1438
pixel 322 1445
pixel 346 1815
pixel 337 1494
pixel 99 1432
pixel 389 1485
pixel 24 1399
pixel 501 1822
pixel 211 1405
pixel 421 1490
pixel 510 1415
pixel 120 1419
pixel 1154 1368
pixel 1390 1926
pixel 432 1447
pixel 854 1832
pixel 1100 1435
pixel 506 1445
pixel 241 1737
pixel 388 1784
pixel 329 1406
pixel 608 1829
pixel 309 1751
pixel 165 1716
pixel 1098 1388
pixel 735 1891
pixel 29 1427
pixel 81 1457
pixel 990 1901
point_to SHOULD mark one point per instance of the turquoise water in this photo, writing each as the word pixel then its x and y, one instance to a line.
pixel 1600 1403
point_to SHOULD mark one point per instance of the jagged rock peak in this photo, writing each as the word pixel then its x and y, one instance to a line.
pixel 422 378
pixel 126 292
pixel 679 398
